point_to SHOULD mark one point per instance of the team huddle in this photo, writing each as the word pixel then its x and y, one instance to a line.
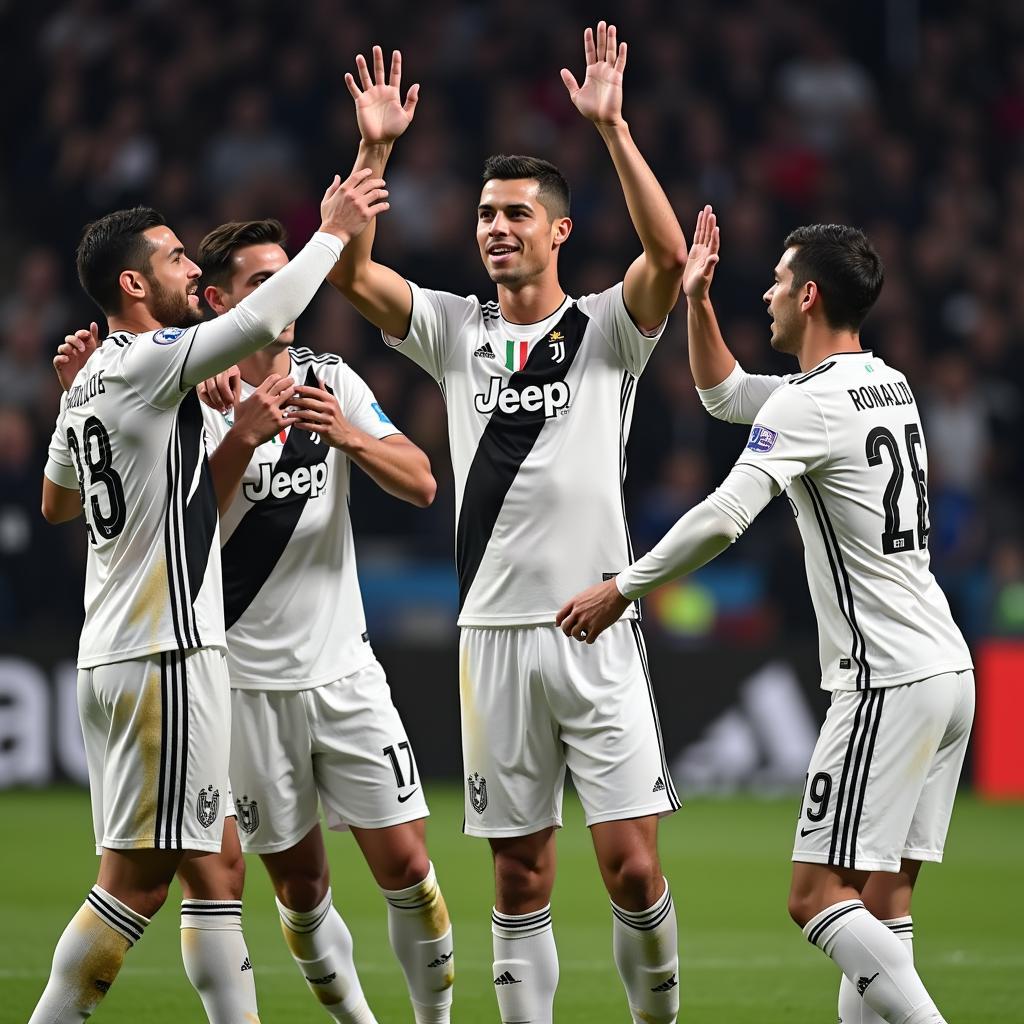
pixel 227 685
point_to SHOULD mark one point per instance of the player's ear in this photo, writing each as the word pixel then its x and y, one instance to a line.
pixel 133 284
pixel 562 230
pixel 214 299
pixel 810 297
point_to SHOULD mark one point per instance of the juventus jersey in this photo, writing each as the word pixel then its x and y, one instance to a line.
pixel 131 441
pixel 844 441
pixel 292 606
pixel 538 419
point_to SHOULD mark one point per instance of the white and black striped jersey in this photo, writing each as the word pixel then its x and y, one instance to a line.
pixel 538 418
pixel 292 606
pixel 131 440
pixel 844 440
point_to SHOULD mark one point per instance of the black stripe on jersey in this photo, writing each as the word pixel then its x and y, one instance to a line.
pixel 504 444
pixel 878 699
pixel 249 555
pixel 183 733
pixel 670 789
pixel 490 310
pixel 200 501
pixel 841 580
pixel 165 746
pixel 625 398
pixel 173 748
pixel 851 746
pixel 813 373
pixel 847 813
pixel 172 543
pixel 122 339
pixel 307 355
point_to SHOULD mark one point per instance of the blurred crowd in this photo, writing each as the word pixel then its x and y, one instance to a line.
pixel 904 119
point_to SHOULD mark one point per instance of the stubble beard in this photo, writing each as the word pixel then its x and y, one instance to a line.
pixel 172 309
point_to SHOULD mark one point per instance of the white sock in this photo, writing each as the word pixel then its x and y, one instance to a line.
pixel 645 946
pixel 421 937
pixel 87 958
pixel 217 961
pixel 321 945
pixel 525 965
pixel 853 1009
pixel 875 961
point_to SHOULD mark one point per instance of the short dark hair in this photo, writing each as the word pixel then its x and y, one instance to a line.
pixel 553 192
pixel 217 248
pixel 110 245
pixel 843 264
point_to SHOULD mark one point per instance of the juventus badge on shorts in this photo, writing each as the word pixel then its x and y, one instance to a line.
pixel 478 792
pixel 206 806
pixel 248 815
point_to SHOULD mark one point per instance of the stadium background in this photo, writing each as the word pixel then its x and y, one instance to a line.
pixel 905 117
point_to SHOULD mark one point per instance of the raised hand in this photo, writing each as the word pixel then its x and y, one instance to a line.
pixel 349 205
pixel 380 113
pixel 73 353
pixel 702 257
pixel 599 99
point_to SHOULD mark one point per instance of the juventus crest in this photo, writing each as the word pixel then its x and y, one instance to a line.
pixel 248 813
pixel 478 792
pixel 557 342
pixel 207 805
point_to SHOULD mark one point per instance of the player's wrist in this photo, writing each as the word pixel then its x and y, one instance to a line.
pixel 244 437
pixel 612 129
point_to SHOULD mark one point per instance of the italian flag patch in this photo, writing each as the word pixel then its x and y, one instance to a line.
pixel 516 353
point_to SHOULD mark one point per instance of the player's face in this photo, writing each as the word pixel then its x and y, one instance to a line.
pixel 250 267
pixel 784 308
pixel 514 232
pixel 173 298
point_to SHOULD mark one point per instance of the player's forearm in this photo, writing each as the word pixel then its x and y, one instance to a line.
pixel 396 466
pixel 653 218
pixel 357 253
pixel 261 316
pixel 710 359
pixel 227 467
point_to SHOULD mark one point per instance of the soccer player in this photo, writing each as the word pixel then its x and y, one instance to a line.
pixel 540 391
pixel 843 440
pixel 312 719
pixel 128 450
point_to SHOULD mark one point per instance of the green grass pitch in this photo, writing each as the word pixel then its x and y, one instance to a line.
pixel 742 962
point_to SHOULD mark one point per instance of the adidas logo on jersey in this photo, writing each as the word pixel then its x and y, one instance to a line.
pixel 311 480
pixel 666 986
pixel 551 397
pixel 485 352
pixel 659 786
pixel 442 959
pixel 507 979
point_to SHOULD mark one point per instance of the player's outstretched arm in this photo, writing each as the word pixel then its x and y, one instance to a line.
pixel 710 359
pixel 380 295
pixel 346 209
pixel 652 282
pixel 394 463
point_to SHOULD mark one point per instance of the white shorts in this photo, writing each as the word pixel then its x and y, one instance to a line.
pixel 156 735
pixel 535 702
pixel 342 744
pixel 884 773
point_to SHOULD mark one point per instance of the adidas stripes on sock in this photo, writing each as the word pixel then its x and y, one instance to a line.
pixel 217 961
pixel 645 947
pixel 421 937
pixel 876 962
pixel 525 965
pixel 87 958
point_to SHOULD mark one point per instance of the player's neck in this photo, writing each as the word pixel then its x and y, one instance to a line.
pixel 136 321
pixel 530 303
pixel 819 345
pixel 255 369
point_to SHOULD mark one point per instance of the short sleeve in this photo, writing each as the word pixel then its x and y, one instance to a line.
pixel 59 467
pixel 607 311
pixel 437 318
pixel 788 439
pixel 154 362
pixel 359 405
pixel 738 398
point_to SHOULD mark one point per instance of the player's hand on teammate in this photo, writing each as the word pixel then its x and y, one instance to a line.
pixel 380 112
pixel 599 99
pixel 265 412
pixel 73 353
pixel 587 615
pixel 223 391
pixel 317 410
pixel 349 205
pixel 702 257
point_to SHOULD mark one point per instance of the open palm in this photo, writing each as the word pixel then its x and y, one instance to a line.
pixel 380 113
pixel 703 256
pixel 599 99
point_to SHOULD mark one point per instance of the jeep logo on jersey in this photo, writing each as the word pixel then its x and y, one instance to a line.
pixel 551 398
pixel 311 480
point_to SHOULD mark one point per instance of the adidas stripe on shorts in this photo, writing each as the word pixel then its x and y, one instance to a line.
pixel 535 702
pixel 884 773
pixel 156 734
